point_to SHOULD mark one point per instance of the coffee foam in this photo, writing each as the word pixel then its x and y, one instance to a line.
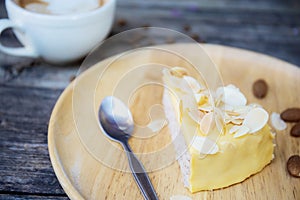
pixel 61 7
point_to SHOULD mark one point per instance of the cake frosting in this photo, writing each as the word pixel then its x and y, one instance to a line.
pixel 225 139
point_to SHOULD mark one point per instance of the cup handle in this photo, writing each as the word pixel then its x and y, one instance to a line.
pixel 16 51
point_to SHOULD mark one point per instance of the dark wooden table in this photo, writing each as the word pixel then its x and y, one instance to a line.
pixel 29 88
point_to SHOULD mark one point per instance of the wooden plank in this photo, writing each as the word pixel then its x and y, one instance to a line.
pixel 3 13
pixel 31 197
pixel 256 23
pixel 270 5
pixel 28 72
pixel 25 165
pixel 221 4
pixel 278 38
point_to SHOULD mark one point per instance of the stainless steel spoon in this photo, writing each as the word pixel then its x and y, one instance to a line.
pixel 117 123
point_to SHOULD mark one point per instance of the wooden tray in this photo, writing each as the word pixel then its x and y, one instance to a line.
pixel 76 158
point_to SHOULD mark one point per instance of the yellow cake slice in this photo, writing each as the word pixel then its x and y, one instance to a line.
pixel 220 140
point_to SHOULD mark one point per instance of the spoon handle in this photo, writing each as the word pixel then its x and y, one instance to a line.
pixel 140 175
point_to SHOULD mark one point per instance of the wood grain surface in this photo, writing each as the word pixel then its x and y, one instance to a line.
pixel 89 166
pixel 29 88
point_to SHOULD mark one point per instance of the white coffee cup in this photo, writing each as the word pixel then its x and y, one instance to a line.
pixel 57 38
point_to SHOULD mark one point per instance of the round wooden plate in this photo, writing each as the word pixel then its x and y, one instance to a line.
pixel 76 158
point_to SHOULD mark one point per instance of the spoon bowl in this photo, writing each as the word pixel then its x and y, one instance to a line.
pixel 116 122
pixel 115 119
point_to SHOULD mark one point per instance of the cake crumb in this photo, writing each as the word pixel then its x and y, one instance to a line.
pixel 277 122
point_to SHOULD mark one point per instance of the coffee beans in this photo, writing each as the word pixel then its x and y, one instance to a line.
pixel 187 28
pixel 295 131
pixel 291 115
pixel 293 166
pixel 122 22
pixel 260 88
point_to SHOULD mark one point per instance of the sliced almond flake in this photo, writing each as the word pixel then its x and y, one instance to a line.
pixel 220 90
pixel 219 93
pixel 178 72
pixel 237 121
pixel 193 83
pixel 232 119
pixel 227 117
pixel 206 123
pixel 232 96
pixel 227 120
pixel 218 101
pixel 242 109
pixel 256 119
pixel 188 102
pixel 180 111
pixel 157 125
pixel 175 82
pixel 196 115
pixel 206 108
pixel 232 113
pixel 207 92
pixel 219 120
pixel 211 99
pixel 228 107
pixel 234 129
pixel 205 145
pixel 241 116
pixel 201 98
pixel 277 122
pixel 243 130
